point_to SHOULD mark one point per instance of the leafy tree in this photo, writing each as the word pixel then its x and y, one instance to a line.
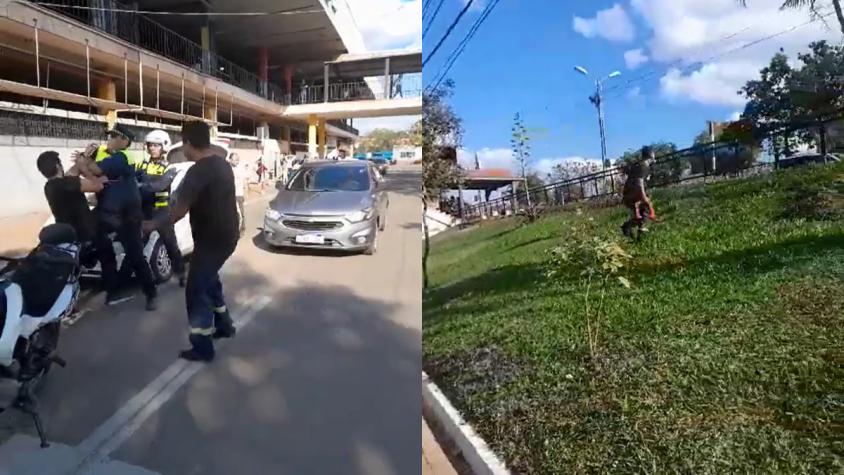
pixel 665 170
pixel 570 170
pixel 812 5
pixel 441 136
pixel 382 140
pixel 734 149
pixel 416 133
pixel 785 96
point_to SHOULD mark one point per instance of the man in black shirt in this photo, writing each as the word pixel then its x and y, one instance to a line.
pixel 207 192
pixel 65 194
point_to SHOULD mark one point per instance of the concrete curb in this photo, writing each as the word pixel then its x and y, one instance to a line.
pixel 480 458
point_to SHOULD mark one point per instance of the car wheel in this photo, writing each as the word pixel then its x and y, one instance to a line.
pixel 373 246
pixel 159 262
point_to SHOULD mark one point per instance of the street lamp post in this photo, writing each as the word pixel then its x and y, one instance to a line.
pixel 598 101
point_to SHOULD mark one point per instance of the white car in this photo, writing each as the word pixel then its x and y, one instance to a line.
pixel 154 249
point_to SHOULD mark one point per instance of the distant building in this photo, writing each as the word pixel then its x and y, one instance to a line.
pixel 407 153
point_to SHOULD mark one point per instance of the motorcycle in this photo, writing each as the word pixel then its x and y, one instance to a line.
pixel 36 292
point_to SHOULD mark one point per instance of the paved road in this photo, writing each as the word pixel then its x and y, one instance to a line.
pixel 322 378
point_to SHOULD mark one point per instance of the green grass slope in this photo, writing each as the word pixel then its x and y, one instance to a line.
pixel 725 356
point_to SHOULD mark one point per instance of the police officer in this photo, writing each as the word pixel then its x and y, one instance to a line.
pixel 208 193
pixel 119 208
pixel 155 180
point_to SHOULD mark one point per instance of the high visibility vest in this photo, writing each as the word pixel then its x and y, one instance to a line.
pixel 135 157
pixel 153 169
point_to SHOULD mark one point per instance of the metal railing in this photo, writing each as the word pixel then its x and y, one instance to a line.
pixel 142 31
pixel 343 126
pixel 148 34
pixel 688 166
pixel 410 85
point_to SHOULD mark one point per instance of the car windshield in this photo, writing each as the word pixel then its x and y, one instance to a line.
pixel 331 179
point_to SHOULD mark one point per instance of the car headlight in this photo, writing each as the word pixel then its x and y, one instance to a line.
pixel 361 215
pixel 272 214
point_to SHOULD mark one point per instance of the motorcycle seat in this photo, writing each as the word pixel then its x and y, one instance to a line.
pixel 42 277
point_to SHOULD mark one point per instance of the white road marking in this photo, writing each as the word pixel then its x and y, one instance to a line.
pixel 130 417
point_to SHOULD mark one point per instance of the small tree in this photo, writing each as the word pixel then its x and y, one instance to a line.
pixel 520 143
pixel 441 136
pixel 599 263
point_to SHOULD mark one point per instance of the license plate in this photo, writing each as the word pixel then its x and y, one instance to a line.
pixel 310 239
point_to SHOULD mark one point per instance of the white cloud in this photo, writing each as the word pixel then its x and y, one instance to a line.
pixel 365 126
pixel 389 24
pixel 612 24
pixel 714 83
pixel 503 158
pixel 489 158
pixel 687 34
pixel 634 92
pixel 634 58
pixel 734 116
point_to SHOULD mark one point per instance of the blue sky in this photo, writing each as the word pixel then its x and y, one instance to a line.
pixel 522 60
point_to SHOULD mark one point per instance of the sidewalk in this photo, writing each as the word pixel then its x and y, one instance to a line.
pixel 434 461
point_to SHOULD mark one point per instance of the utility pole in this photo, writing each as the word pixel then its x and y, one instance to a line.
pixel 598 101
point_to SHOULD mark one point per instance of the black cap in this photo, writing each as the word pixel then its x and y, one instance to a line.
pixel 124 131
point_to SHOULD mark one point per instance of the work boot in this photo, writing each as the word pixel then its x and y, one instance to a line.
pixel 202 349
pixel 152 303
pixel 223 324
pixel 116 297
pixel 193 355
pixel 625 229
pixel 183 278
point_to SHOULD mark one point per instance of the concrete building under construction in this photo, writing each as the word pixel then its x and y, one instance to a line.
pixel 291 75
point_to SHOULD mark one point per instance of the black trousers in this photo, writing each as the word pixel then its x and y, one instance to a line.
pixel 105 255
pixel 130 236
pixel 168 238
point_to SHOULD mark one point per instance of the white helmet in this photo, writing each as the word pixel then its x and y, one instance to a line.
pixel 159 137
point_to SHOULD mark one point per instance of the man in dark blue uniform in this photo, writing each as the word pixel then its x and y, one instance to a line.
pixel 119 209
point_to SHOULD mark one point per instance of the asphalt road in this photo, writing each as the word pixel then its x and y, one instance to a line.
pixel 322 378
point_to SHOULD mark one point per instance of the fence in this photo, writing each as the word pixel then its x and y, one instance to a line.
pixel 409 85
pixel 701 163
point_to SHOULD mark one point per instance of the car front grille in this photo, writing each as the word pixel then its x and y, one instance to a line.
pixel 312 225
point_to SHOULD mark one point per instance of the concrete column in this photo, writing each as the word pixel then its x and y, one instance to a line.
pixel 209 112
pixel 263 69
pixel 205 39
pixel 322 137
pixel 387 86
pixel 288 81
pixel 312 135
pixel 108 90
pixel 263 131
pixel 325 74
pixel 285 139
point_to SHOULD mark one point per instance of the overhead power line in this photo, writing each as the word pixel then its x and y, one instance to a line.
pixel 295 11
pixel 448 32
pixel 433 17
pixel 741 47
pixel 463 43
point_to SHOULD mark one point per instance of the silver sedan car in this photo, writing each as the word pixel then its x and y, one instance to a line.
pixel 331 205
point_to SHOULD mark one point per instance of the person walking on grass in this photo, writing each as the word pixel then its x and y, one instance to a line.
pixel 208 193
pixel 634 196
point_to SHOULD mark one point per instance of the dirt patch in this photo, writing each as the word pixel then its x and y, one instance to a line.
pixel 475 371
